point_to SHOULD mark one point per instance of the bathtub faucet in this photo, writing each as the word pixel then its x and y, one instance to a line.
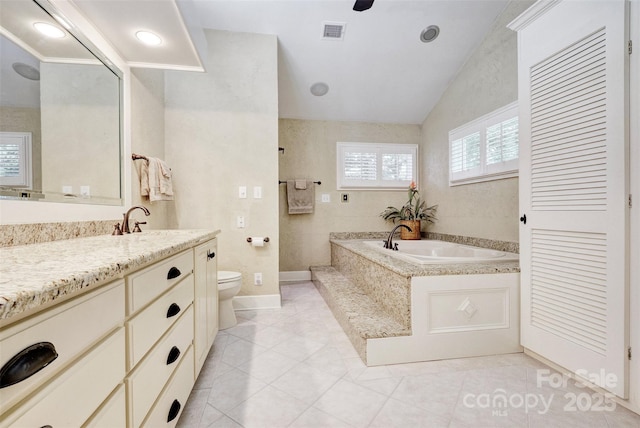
pixel 389 242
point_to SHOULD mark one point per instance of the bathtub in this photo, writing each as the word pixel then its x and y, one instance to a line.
pixel 426 251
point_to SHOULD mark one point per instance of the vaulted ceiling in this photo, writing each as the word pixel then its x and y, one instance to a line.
pixel 379 71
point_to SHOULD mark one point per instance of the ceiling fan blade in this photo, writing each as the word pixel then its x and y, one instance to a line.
pixel 362 5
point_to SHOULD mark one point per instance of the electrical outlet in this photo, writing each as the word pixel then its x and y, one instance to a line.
pixel 240 222
pixel 257 278
pixel 326 197
pixel 257 192
pixel 67 190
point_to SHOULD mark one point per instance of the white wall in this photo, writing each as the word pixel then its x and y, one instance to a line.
pixel 147 139
pixel 221 132
pixel 488 81
pixel 310 152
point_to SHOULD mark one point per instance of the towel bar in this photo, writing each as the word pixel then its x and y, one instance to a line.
pixel 284 182
pixel 249 239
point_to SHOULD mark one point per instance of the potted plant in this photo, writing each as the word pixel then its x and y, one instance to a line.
pixel 411 214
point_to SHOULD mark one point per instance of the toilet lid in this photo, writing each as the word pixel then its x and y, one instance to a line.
pixel 227 276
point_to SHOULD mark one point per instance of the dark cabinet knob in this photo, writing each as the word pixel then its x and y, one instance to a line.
pixel 174 272
pixel 174 410
pixel 523 219
pixel 26 363
pixel 210 255
pixel 174 353
pixel 173 310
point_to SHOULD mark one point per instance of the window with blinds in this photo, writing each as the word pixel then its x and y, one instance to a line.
pixel 376 166
pixel 15 159
pixel 486 148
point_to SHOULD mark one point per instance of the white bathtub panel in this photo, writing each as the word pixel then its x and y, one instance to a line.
pixel 498 333
pixel 467 309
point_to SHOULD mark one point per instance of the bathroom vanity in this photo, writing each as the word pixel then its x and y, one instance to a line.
pixel 107 330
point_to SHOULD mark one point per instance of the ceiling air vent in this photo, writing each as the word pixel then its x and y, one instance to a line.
pixel 333 30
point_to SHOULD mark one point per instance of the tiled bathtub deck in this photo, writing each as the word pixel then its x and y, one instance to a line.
pixel 360 316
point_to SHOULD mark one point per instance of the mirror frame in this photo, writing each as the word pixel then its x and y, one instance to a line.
pixel 24 211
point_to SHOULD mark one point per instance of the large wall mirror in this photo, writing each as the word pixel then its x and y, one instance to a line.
pixel 60 110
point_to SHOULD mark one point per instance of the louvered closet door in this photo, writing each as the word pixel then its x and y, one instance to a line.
pixel 573 188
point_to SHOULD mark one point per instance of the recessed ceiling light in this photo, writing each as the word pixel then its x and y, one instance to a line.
pixel 430 33
pixel 319 89
pixel 149 38
pixel 49 30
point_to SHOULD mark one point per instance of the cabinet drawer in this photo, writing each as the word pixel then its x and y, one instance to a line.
pixel 170 405
pixel 147 284
pixel 71 398
pixel 71 328
pixel 113 412
pixel 153 372
pixel 147 327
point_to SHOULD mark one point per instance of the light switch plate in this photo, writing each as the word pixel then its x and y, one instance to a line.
pixel 242 192
pixel 326 197
pixel 85 191
pixel 257 192
pixel 67 190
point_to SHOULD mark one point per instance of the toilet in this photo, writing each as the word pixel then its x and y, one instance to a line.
pixel 229 284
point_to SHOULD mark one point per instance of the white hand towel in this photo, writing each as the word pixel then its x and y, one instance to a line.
pixel 159 179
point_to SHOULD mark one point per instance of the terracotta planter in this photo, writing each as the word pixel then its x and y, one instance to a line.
pixel 415 229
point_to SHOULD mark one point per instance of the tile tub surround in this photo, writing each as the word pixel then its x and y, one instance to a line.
pixel 36 233
pixel 39 274
pixel 510 247
pixel 370 294
pixel 406 269
pixel 391 290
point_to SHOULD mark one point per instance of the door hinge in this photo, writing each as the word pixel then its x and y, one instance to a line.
pixel 629 46
pixel 629 352
pixel 630 201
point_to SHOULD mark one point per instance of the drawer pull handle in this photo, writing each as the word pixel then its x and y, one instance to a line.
pixel 26 363
pixel 174 353
pixel 173 310
pixel 174 410
pixel 210 254
pixel 174 272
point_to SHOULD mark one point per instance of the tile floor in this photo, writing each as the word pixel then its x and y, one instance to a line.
pixel 294 367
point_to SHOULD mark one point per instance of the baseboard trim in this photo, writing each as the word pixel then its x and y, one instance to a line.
pixel 246 303
pixel 295 275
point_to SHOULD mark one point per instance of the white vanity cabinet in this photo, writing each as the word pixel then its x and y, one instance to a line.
pixel 159 330
pixel 80 360
pixel 122 352
pixel 206 300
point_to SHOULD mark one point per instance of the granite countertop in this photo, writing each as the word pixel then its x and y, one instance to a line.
pixel 37 274
pixel 407 269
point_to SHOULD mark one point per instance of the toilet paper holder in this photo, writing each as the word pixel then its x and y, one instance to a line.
pixel 249 239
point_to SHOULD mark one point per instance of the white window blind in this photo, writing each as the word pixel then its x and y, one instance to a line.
pixel 486 148
pixel 376 166
pixel 15 159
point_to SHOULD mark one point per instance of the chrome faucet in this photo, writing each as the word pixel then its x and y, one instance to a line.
pixel 389 242
pixel 125 222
